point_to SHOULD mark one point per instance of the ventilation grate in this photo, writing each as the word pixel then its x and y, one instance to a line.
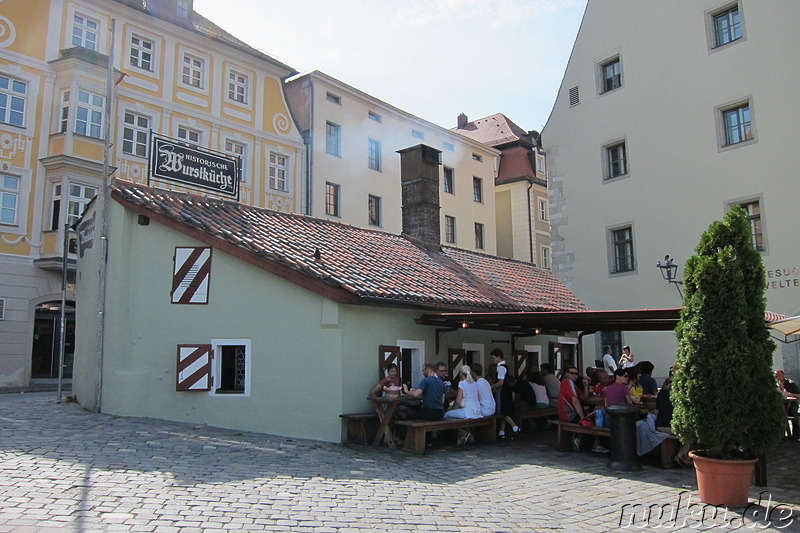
pixel 574 96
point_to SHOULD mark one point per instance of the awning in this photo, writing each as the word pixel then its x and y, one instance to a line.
pixel 787 325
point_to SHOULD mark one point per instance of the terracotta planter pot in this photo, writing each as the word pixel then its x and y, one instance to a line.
pixel 723 482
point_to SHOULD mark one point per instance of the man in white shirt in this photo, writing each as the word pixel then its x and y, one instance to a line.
pixel 609 364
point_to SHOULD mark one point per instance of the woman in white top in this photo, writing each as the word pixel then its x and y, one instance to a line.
pixel 468 395
pixel 488 405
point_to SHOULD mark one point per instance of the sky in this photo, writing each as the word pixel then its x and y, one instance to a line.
pixel 431 58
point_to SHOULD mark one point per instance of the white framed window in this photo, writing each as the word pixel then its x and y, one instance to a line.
pixel 76 199
pixel 374 116
pixel 755 212
pixel 539 164
pixel 479 242
pixel 89 110
pixel 727 26
pixel 141 53
pixel 417 134
pixel 616 159
pixel 332 199
pixel 63 117
pixel 238 149
pixel 737 124
pixel 336 99
pixel 190 135
pixel 477 189
pixel 610 74
pixel 374 154
pixel 9 199
pixel 84 31
pixel 448 180
pixel 477 157
pixel 448 146
pixel 544 257
pixel 237 87
pixel 231 367
pixel 192 73
pixel 374 206
pixel 278 171
pixel 622 249
pixel 450 229
pixel 544 209
pixel 13 99
pixel 135 133
pixel 333 139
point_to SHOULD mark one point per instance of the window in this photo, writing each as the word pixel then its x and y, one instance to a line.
pixel 477 157
pixel 374 154
pixel 623 249
pixel 141 53
pixel 448 146
pixel 450 229
pixel 611 75
pixel 539 164
pixel 239 150
pixel 188 134
pixel 543 210
pixel 84 32
pixel 477 189
pixel 237 87
pixel 13 96
pixel 727 26
pixel 78 197
pixel 89 114
pixel 737 125
pixel 544 257
pixel 374 116
pixel 418 134
pixel 278 165
pixel 182 9
pixel 332 199
pixel 63 120
pixel 9 198
pixel 374 210
pixel 616 160
pixel 448 181
pixel 231 366
pixel 134 134
pixel 754 217
pixel 478 236
pixel 333 139
pixel 333 98
pixel 192 71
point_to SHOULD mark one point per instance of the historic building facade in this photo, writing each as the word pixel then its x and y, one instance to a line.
pixel 657 130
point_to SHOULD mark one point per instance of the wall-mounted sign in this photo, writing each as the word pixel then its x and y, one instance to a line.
pixel 173 160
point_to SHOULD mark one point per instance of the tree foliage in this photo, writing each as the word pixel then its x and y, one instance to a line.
pixel 725 397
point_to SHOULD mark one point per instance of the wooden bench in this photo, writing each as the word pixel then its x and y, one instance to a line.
pixel 521 416
pixel 484 429
pixel 357 426
pixel 567 428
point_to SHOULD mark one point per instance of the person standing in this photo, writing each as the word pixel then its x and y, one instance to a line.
pixel 609 364
pixel 503 395
pixel 627 357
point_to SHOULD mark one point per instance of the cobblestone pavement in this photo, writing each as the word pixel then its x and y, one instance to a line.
pixel 65 469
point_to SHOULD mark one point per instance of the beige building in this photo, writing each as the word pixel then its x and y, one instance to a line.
pixel 668 114
pixel 174 73
pixel 353 170
pixel 521 202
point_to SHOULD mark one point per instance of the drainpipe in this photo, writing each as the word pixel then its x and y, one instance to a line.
pixel 530 223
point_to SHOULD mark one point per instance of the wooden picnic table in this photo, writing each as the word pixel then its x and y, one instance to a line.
pixel 385 407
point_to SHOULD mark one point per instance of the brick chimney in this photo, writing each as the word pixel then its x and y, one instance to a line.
pixel 462 121
pixel 419 180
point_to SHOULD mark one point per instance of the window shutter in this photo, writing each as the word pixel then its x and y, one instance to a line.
pixel 455 358
pixel 194 367
pixel 387 356
pixel 190 275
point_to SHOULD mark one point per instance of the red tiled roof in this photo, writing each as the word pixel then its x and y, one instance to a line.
pixel 515 164
pixel 494 130
pixel 355 265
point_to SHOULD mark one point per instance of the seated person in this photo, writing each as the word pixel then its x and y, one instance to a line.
pixel 591 373
pixel 633 384
pixel 570 409
pixel 431 390
pixel 551 382
pixel 467 403
pixel 663 421
pixel 392 379
pixel 604 380
pixel 791 393
pixel 649 385
pixel 617 393
pixel 485 396
pixel 532 392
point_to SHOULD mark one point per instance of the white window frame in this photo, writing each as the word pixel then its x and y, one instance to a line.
pixel 477 189
pixel 611 160
pixel 374 116
pixel 333 139
pixel 94 108
pixel 744 129
pixel 713 31
pixel 86 31
pixel 193 70
pixel 13 96
pixel 182 8
pixel 615 79
pixel 238 87
pixel 8 196
pixel 137 52
pixel 216 372
pixel 417 349
pixel 757 222
pixel 615 259
pixel 449 184
pixel 477 157
pixel 189 134
pixel 544 257
pixel 236 147
pixel 274 169
pixel 449 229
pixel 76 203
pixel 140 135
pixel 544 209
pixel 333 98
pixel 374 148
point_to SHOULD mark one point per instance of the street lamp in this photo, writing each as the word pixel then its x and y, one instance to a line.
pixel 669 271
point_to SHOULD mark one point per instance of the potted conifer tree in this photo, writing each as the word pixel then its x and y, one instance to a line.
pixel 727 406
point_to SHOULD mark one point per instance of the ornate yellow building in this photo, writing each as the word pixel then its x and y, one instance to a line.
pixel 175 74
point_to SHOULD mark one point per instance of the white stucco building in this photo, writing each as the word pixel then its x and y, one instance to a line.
pixel 668 114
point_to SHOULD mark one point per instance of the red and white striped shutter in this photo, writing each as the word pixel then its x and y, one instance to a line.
pixel 194 367
pixel 190 275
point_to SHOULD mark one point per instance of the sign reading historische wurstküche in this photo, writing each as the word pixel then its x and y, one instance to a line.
pixel 173 160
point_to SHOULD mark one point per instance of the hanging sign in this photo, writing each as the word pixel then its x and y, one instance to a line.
pixel 173 160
